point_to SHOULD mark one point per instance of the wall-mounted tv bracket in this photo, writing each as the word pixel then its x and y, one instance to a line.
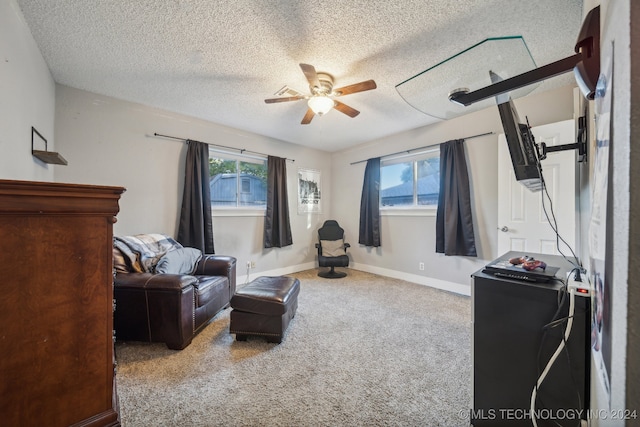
pixel 580 144
pixel 585 64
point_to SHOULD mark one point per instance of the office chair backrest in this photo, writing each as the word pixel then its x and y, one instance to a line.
pixel 330 230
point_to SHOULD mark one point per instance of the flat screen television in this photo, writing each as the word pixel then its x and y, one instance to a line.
pixel 522 149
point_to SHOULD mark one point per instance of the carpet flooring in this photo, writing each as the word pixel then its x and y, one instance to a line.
pixel 364 350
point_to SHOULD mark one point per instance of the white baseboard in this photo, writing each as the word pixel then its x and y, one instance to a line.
pixel 413 278
pixel 276 272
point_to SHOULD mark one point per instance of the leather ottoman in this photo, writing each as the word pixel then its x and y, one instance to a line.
pixel 264 307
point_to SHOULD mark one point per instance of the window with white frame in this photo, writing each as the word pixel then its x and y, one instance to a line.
pixel 237 180
pixel 411 180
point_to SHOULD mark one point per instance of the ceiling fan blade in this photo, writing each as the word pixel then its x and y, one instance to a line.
pixel 307 117
pixel 357 87
pixel 285 99
pixel 343 108
pixel 311 75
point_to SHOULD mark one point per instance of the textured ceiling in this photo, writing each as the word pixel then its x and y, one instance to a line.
pixel 219 60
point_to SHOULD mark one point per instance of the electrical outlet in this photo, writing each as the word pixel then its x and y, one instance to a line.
pixel 253 264
pixel 421 266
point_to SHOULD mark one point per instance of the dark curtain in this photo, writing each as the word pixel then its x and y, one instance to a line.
pixel 196 225
pixel 454 224
pixel 277 228
pixel 370 205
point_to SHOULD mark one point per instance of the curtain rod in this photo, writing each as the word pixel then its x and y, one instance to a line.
pixel 241 150
pixel 422 148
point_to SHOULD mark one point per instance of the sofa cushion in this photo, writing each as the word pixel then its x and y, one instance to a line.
pixel 179 261
pixel 331 248
pixel 209 288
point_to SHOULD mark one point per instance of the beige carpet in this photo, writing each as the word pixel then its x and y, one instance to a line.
pixel 365 350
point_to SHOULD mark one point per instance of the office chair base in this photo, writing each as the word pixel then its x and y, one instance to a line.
pixel 332 274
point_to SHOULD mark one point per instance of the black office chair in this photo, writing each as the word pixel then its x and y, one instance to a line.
pixel 332 250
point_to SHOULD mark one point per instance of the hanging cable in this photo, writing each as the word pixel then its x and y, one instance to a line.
pixel 553 223
pixel 561 346
pixel 576 270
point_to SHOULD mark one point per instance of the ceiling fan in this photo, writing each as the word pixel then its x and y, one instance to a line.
pixel 322 97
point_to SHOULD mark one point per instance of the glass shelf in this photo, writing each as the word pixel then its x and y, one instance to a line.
pixel 429 90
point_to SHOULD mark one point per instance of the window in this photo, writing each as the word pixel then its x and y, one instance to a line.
pixel 237 180
pixel 410 181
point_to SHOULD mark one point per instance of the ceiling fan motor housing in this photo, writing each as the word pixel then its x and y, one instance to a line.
pixel 326 84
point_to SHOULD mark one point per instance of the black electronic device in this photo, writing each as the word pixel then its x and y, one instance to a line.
pixel 522 147
pixel 501 267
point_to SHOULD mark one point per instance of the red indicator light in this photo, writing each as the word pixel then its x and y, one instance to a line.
pixel 583 291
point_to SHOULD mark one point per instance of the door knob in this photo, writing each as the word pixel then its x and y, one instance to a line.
pixel 504 228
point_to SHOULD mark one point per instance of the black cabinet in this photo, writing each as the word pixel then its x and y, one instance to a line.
pixel 513 339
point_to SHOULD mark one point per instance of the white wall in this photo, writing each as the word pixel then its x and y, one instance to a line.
pixel 632 350
pixel 615 43
pixel 110 142
pixel 632 353
pixel 409 240
pixel 27 98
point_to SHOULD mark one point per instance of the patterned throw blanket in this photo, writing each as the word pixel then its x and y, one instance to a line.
pixel 143 251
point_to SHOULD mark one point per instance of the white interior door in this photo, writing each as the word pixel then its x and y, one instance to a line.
pixel 522 224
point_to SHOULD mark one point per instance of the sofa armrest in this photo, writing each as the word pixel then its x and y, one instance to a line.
pixel 166 282
pixel 155 308
pixel 218 265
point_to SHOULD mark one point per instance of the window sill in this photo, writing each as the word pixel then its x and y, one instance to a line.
pixel 408 211
pixel 237 212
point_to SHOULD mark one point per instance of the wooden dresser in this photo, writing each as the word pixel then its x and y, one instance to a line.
pixel 57 365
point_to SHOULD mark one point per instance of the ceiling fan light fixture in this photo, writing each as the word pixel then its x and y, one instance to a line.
pixel 321 99
pixel 321 104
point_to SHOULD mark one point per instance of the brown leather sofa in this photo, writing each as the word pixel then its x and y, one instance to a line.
pixel 172 308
